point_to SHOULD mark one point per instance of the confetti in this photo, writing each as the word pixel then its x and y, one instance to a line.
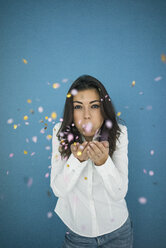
pixel 108 124
pixel 10 121
pixel 68 95
pixel 25 117
pixel 85 178
pixel 140 93
pixel 7 172
pixel 149 107
pixel 61 119
pixel 25 152
pixel 14 126
pixel 47 175
pixel 163 57
pixel 42 130
pixel 33 153
pixel 46 117
pixel 29 101
pixel 142 200
pixel 49 136
pixel 68 165
pixel 87 127
pixel 30 180
pixel 25 61
pixel 56 85
pixel 53 115
pixel 26 123
pixel 64 80
pixel 11 155
pixel 158 79
pixel 151 173
pixel 145 171
pixel 70 137
pixel 119 113
pixel 50 119
pixel 152 152
pixel 79 153
pixel 133 83
pixel 47 147
pixel 40 109
pixel 34 139
pixel 74 92
pixel 49 214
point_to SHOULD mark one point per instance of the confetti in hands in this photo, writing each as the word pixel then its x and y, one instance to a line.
pixel 94 150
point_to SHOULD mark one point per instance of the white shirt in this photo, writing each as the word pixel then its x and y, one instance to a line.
pixel 91 198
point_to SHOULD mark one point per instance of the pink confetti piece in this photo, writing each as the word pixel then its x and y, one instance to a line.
pixel 108 124
pixel 40 109
pixel 151 173
pixel 152 152
pixel 47 147
pixel 10 121
pixel 158 79
pixel 26 123
pixel 30 181
pixel 145 171
pixel 34 139
pixel 11 155
pixel 33 153
pixel 49 214
pixel 142 200
pixel 70 137
pixel 61 119
pixel 79 122
pixel 42 130
pixel 64 80
pixel 49 119
pixel 149 107
pixel 74 92
pixel 47 175
pixel 67 232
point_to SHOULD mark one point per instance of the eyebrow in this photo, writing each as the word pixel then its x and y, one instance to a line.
pixel 89 102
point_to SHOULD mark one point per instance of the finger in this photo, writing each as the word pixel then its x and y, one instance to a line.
pixel 105 143
pixel 95 149
pixel 101 146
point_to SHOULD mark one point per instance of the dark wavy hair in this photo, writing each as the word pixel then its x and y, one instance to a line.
pixel 85 82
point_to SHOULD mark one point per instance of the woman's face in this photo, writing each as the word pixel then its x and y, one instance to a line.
pixel 87 112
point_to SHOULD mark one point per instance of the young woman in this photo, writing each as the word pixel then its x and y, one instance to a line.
pixel 89 172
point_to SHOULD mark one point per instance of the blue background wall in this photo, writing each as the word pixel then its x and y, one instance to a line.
pixel 117 41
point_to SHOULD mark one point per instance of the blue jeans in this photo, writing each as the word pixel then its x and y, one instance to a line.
pixel 120 238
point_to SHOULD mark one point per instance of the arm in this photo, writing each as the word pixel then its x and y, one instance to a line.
pixel 64 173
pixel 115 171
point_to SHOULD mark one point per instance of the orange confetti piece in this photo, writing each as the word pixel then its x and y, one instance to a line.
pixel 14 126
pixel 25 152
pixel 163 57
pixel 53 115
pixel 25 117
pixel 68 95
pixel 25 61
pixel 133 83
pixel 29 101
pixel 119 113
pixel 85 178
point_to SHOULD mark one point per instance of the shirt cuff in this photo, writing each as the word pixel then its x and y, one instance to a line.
pixel 108 168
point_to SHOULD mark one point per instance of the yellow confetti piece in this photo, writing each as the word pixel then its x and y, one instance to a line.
pixel 53 115
pixel 119 113
pixel 133 83
pixel 14 126
pixel 74 143
pixel 68 95
pixel 163 57
pixel 56 85
pixel 85 178
pixel 49 136
pixel 46 117
pixel 25 152
pixel 68 165
pixel 25 117
pixel 25 61
pixel 29 101
pixel 79 153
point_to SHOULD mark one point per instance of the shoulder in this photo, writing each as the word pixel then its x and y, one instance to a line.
pixel 57 127
pixel 123 138
pixel 123 128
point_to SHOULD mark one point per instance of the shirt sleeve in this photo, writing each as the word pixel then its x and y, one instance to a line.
pixel 64 173
pixel 115 170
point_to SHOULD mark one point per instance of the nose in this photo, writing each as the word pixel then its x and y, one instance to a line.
pixel 86 113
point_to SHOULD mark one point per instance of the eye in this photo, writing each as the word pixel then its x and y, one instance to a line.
pixel 77 107
pixel 95 106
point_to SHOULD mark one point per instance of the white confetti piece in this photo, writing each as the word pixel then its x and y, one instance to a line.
pixel 142 200
pixel 49 119
pixel 33 153
pixel 42 130
pixel 47 147
pixel 30 181
pixel 47 175
pixel 34 139
pixel 10 121
pixel 26 123
pixel 149 107
pixel 108 124
pixel 74 92
pixel 64 80
pixel 158 79
pixel 40 109
pixel 151 173
pixel 27 140
pixel 152 152
pixel 49 214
